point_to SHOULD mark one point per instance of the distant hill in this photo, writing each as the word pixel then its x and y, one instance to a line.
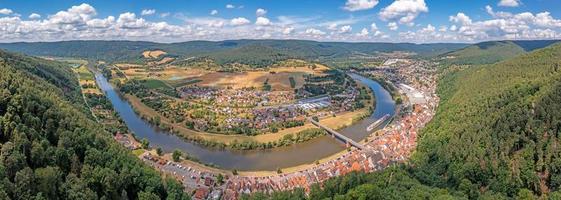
pixel 257 52
pixel 493 51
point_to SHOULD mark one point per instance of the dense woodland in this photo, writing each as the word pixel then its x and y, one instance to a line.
pixel 228 54
pixel 492 52
pixel 52 149
pixel 495 136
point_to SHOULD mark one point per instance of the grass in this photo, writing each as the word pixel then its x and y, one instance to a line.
pixel 182 82
pixel 84 73
pixel 137 152
pixel 154 84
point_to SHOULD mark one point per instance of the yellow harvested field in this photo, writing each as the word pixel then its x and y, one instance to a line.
pixel 278 77
pixel 91 91
pixel 153 54
pixel 165 60
pixel 87 82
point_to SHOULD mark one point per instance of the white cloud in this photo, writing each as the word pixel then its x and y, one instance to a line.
pixel 74 15
pixel 507 26
pixel 238 21
pixel 260 12
pixel 356 5
pixel 363 33
pixel 429 29
pixel 129 21
pixel 345 29
pixel 34 16
pixel 262 21
pixel 288 30
pixel 453 28
pixel 460 18
pixel 5 11
pixel 404 10
pixel 230 6
pixel 314 32
pixel 392 26
pixel 491 12
pixel 213 12
pixel 82 22
pixel 373 27
pixel 148 12
pixel 509 3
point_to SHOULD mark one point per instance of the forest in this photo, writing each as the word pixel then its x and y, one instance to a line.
pixel 52 149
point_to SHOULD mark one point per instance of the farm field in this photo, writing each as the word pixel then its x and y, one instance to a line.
pixel 279 77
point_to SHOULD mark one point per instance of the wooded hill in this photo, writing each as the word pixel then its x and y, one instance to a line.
pixel 256 53
pixel 493 51
pixel 52 149
pixel 496 135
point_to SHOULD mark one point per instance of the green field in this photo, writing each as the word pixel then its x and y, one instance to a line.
pixel 182 82
pixel 154 84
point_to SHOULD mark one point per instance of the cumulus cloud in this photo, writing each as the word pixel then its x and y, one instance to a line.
pixel 288 30
pixel 373 27
pixel 148 12
pixel 5 11
pixel 392 26
pixel 262 21
pixel 345 29
pixel 260 12
pixel 230 6
pixel 363 33
pixel 314 32
pixel 460 18
pixel 523 25
pixel 238 21
pixel 79 22
pixel 34 16
pixel 82 22
pixel 405 11
pixel 213 12
pixel 356 5
pixel 509 3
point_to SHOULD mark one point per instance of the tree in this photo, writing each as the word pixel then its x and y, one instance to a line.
pixel 159 151
pixel 220 179
pixel 48 180
pixel 145 143
pixel 176 155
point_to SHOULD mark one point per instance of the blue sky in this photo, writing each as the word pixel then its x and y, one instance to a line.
pixel 417 21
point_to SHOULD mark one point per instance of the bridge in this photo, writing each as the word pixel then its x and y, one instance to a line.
pixel 348 141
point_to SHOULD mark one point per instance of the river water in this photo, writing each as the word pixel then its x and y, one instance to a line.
pixel 270 159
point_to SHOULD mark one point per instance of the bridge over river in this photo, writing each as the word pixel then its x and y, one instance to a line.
pixel 336 134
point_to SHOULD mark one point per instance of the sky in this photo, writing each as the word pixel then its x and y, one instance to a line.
pixel 417 21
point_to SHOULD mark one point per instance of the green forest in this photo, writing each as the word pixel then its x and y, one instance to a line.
pixel 495 136
pixel 52 149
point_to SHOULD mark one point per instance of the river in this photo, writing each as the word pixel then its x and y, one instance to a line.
pixel 270 159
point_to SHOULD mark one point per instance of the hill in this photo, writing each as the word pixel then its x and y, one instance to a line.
pixel 493 51
pixel 51 149
pixel 257 52
pixel 495 135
